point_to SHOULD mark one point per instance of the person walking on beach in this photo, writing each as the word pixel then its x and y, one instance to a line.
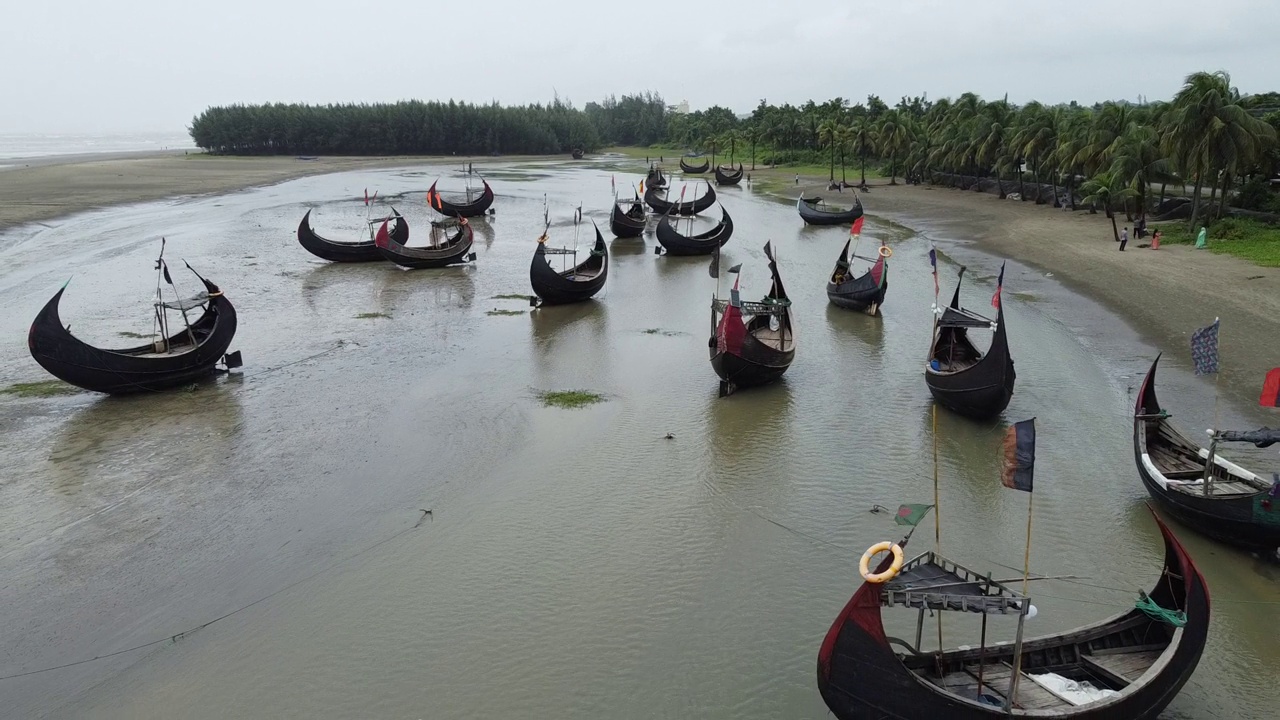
pixel 1202 238
pixel 797 179
pixel 1124 238
pixel 1155 240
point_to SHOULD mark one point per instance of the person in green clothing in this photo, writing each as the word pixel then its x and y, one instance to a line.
pixel 1202 238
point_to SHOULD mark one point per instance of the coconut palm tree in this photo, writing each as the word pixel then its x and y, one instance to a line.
pixel 1072 136
pixel 892 137
pixel 1105 189
pixel 992 132
pixel 1135 159
pixel 1035 139
pixel 752 135
pixel 1208 132
pixel 828 130
pixel 844 138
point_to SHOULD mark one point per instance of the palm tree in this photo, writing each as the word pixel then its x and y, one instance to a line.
pixel 1072 136
pixel 844 138
pixel 892 137
pixel 861 130
pixel 991 134
pixel 1105 189
pixel 752 135
pixel 1035 139
pixel 1135 158
pixel 827 131
pixel 1208 131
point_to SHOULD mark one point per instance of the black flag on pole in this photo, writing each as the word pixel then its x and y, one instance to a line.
pixel 1019 458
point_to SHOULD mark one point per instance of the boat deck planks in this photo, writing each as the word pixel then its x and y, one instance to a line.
pixel 1129 666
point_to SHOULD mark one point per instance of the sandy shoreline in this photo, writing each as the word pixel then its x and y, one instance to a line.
pixel 39 189
pixel 1169 292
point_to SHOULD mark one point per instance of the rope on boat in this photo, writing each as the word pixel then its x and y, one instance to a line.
pixel 1176 618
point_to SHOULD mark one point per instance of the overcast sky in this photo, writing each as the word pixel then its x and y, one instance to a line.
pixel 142 65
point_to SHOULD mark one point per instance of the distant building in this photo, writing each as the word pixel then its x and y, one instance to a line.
pixel 681 109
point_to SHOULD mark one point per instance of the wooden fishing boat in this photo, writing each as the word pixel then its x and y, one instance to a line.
pixel 466 209
pixel 169 361
pixel 630 222
pixel 961 378
pixel 577 153
pixel 863 292
pixel 336 251
pixel 689 207
pixel 655 179
pixel 752 343
pixel 703 243
pixel 728 177
pixel 815 212
pixel 445 248
pixel 578 283
pixel 1231 504
pixel 688 169
pixel 1141 658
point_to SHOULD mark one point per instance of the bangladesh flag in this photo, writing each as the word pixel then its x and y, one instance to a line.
pixel 912 514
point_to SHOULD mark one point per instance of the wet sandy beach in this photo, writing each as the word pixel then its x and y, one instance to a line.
pixel 576 564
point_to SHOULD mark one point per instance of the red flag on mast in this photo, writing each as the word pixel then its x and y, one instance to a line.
pixel 1271 389
pixel 366 197
pixel 995 299
pixel 857 226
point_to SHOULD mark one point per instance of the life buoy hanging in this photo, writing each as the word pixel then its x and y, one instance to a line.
pixel 887 575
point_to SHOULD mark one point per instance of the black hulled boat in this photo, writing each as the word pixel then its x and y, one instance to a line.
pixel 814 212
pixel 703 243
pixel 961 378
pixel 655 179
pixel 335 251
pixel 863 292
pixel 688 169
pixel 690 207
pixel 752 343
pixel 1235 506
pixel 171 360
pixel 630 222
pixel 471 207
pixel 451 241
pixel 1143 660
pixel 578 283
pixel 730 177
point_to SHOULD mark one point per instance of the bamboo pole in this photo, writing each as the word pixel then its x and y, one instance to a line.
pixel 1022 616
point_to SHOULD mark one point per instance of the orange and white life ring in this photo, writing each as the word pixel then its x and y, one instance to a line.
pixel 886 252
pixel 887 575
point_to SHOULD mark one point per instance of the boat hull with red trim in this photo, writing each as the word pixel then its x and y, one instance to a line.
pixel 335 251
pixel 137 369
pixel 455 250
pixel 859 293
pixel 471 209
pixel 748 353
pixel 861 677
pixel 1246 520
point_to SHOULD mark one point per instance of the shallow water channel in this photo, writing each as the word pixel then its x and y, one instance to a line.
pixel 576 563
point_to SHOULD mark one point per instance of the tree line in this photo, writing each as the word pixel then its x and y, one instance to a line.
pixel 1208 136
pixel 405 128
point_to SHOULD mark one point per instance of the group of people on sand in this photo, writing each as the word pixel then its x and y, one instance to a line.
pixel 1140 229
